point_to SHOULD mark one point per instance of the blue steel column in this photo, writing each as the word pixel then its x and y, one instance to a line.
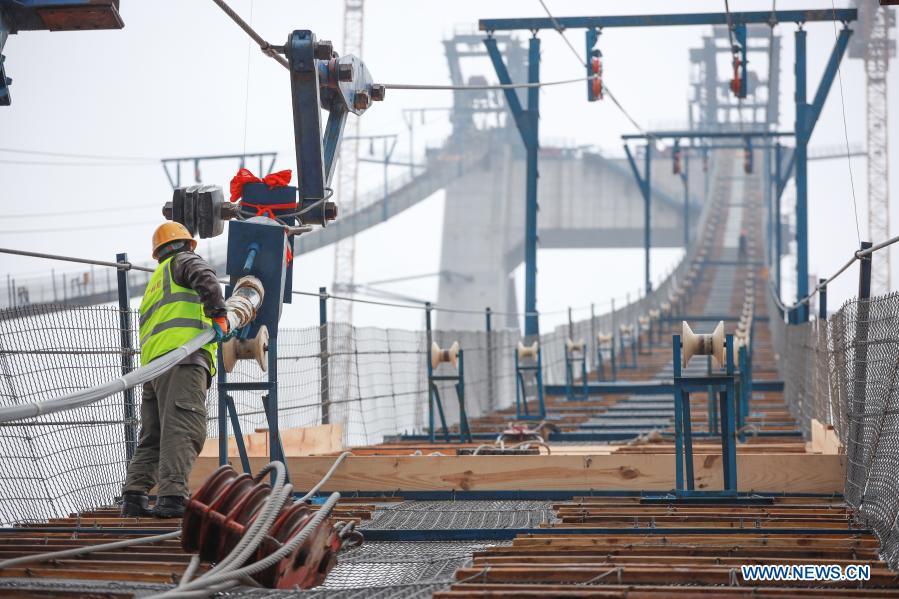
pixel 647 209
pixel 685 177
pixel 531 321
pixel 126 329
pixel 527 121
pixel 777 228
pixel 801 177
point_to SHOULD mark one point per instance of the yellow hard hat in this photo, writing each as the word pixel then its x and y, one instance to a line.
pixel 170 231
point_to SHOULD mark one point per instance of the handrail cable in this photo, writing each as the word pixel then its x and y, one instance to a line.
pixel 857 255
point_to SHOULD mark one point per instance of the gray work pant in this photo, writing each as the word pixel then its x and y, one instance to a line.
pixel 173 430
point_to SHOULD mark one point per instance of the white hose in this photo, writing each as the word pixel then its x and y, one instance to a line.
pixel 84 397
pixel 241 310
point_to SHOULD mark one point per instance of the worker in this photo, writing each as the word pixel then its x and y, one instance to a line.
pixel 182 298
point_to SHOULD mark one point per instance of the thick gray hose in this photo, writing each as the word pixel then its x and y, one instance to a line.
pixel 327 476
pixel 241 310
pixel 84 397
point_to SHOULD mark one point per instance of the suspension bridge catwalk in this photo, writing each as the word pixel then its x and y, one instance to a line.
pixel 571 498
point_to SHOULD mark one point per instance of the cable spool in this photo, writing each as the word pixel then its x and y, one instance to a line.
pixel 665 308
pixel 643 321
pixel 655 314
pixel 604 339
pixel 246 349
pixel 223 510
pixel 451 355
pixel 574 346
pixel 626 329
pixel 703 345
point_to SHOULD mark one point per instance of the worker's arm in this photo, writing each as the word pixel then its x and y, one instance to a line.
pixel 190 270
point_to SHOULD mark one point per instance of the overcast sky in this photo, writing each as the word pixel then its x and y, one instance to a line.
pixel 180 80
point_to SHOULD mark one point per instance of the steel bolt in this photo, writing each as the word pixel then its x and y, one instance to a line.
pixel 378 92
pixel 324 49
pixel 361 101
pixel 345 71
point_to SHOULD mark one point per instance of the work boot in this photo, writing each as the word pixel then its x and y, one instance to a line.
pixel 169 506
pixel 135 505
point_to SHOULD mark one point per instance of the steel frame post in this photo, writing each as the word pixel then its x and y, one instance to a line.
pixel 428 341
pixel 126 325
pixel 806 118
pixel 855 445
pixel 325 390
pixel 491 399
pixel 643 183
pixel 778 191
pixel 685 177
pixel 527 122
pixel 801 175
pixel 593 342
pixel 822 299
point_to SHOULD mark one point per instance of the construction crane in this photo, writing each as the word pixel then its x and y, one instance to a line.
pixel 348 170
pixel 873 44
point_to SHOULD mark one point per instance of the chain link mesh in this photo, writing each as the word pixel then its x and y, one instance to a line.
pixel 845 372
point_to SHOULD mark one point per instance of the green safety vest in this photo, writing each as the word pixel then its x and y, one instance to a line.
pixel 170 316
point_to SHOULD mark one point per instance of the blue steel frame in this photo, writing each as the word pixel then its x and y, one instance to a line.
pixel 459 380
pixel 521 400
pixel 623 352
pixel 570 362
pixel 600 362
pixel 683 439
pixel 527 121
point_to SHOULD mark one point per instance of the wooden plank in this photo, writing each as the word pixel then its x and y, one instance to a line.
pixel 796 473
pixel 310 440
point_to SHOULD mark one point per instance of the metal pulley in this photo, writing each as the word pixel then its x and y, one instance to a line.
pixel 202 209
pixel 246 349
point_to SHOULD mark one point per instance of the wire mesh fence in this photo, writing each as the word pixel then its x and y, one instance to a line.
pixel 371 381
pixel 845 372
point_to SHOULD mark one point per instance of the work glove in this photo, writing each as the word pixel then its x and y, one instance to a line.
pixel 221 328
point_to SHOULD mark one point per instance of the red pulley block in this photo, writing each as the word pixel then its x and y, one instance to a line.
pixel 220 512
pixel 675 167
pixel 736 82
pixel 596 82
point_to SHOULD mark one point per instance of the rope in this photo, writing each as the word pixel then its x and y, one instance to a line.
pixel 266 47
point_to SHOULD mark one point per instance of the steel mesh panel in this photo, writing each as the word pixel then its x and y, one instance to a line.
pixel 417 515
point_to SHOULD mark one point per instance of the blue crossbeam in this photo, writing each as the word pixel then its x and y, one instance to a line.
pixel 687 134
pixel 714 18
pixel 648 387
